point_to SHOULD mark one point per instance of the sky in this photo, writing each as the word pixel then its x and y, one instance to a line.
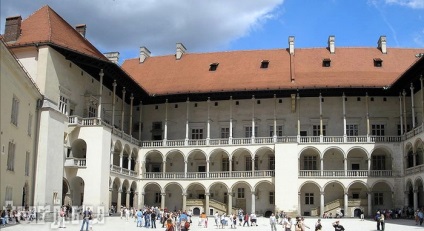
pixel 226 25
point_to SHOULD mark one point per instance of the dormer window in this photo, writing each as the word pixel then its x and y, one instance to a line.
pixel 326 62
pixel 213 66
pixel 264 63
pixel 378 62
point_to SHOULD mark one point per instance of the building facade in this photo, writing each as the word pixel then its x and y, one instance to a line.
pixel 307 131
pixel 20 99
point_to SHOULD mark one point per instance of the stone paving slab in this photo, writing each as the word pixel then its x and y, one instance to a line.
pixel 117 224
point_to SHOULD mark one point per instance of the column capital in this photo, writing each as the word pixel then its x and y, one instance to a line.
pixel 110 189
pixel 163 194
pixel 322 193
pixel 207 194
pixel 135 193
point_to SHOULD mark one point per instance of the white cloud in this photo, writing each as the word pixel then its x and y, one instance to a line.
pixel 415 4
pixel 125 25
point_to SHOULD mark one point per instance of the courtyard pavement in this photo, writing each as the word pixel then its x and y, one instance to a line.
pixel 115 223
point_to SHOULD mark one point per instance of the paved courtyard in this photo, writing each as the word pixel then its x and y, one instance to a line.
pixel 115 223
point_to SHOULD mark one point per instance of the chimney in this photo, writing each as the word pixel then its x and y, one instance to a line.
pixel 81 28
pixel 144 54
pixel 112 56
pixel 291 45
pixel 331 45
pixel 180 50
pixel 12 29
pixel 382 44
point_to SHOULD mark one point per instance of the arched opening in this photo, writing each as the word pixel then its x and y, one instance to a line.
pixel 310 199
pixel 66 199
pixel 152 195
pixel 196 211
pixel 77 188
pixel 173 197
pixel 79 149
pixel 264 197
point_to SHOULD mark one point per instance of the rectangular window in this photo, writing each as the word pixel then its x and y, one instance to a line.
pixel 196 133
pixel 158 198
pixel 316 130
pixel 377 129
pixel 91 112
pixel 27 164
pixel 378 199
pixel 248 131
pixel 63 104
pixel 352 129
pixel 11 157
pixel 378 162
pixel 225 133
pixel 248 161
pixel 15 111
pixel 225 164
pixel 309 198
pixel 271 162
pixel 157 130
pixel 29 130
pixel 271 198
pixel 279 131
pixel 310 163
pixel 240 193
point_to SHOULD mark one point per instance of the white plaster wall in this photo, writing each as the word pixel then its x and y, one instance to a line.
pixel 14 82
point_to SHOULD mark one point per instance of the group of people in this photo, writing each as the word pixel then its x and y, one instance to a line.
pixel 15 216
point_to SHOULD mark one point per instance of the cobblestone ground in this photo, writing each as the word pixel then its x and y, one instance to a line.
pixel 117 224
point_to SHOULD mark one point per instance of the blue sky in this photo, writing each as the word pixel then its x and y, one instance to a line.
pixel 223 25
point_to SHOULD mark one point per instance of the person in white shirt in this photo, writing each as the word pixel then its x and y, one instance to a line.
pixel 273 222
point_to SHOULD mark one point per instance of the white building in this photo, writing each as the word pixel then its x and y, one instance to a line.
pixel 20 99
pixel 306 131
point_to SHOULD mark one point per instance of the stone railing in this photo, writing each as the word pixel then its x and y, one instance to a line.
pixel 414 170
pixel 123 171
pixel 209 175
pixel 76 162
pixel 343 173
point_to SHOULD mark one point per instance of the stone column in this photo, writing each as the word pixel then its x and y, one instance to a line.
pixel 344 118
pixel 99 106
pixel 414 159
pixel 127 198
pixel 131 115
pixel 207 168
pixel 253 119
pixel 187 122
pixel 135 201
pixel 412 105
pixel 369 197
pixel 184 201
pixel 299 209
pixel 404 110
pixel 253 167
pixel 230 160
pixel 207 204
pixel 185 169
pixel 368 117
pixel 322 167
pixel 121 159
pixel 274 137
pixel 369 167
pixel 129 162
pixel 111 156
pixel 118 203
pixel 321 204
pixel 142 199
pixel 298 117
pixel 165 130
pixel 113 103
pixel 123 109
pixel 164 168
pixel 230 140
pixel 415 199
pixel 230 203
pixel 162 201
pixel 406 198
pixel 346 204
pixel 110 197
pixel 253 202
pixel 140 120
pixel 208 123
pixel 401 114
pixel 321 131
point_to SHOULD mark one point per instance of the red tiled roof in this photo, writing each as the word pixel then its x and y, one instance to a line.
pixel 45 25
pixel 240 70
